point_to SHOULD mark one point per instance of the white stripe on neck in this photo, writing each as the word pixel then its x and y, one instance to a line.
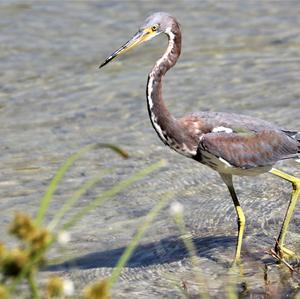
pixel 156 126
pixel 180 148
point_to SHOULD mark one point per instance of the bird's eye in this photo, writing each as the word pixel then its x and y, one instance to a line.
pixel 154 27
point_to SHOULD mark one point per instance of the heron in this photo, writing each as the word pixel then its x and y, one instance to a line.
pixel 229 143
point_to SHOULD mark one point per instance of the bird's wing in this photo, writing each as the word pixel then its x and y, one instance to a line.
pixel 248 149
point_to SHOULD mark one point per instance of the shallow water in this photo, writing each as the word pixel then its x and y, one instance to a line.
pixel 237 57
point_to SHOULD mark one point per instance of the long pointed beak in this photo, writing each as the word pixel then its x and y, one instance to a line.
pixel 137 39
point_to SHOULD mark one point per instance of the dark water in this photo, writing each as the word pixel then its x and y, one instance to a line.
pixel 237 56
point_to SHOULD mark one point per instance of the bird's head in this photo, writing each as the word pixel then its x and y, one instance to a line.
pixel 154 25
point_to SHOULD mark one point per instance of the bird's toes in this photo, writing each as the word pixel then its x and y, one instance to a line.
pixel 284 252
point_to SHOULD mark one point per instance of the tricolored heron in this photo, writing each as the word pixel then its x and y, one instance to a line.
pixel 231 144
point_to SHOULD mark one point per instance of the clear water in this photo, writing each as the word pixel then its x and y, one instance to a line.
pixel 237 56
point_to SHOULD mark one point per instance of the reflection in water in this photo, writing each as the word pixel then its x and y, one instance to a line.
pixel 237 57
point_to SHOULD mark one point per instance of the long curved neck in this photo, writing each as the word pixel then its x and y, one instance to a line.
pixel 163 122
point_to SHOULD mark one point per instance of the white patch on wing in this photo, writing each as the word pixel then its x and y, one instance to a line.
pixel 222 129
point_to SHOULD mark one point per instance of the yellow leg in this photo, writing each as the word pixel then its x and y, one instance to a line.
pixel 241 220
pixel 279 246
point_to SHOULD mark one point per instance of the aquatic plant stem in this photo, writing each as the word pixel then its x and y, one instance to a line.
pixel 33 286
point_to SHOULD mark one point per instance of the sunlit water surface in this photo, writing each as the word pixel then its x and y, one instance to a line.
pixel 237 57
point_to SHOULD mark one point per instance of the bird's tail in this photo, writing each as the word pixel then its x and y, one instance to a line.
pixel 295 135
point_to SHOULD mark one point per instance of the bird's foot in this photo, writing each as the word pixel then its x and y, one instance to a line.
pixel 283 255
pixel 237 268
pixel 283 252
pixel 236 262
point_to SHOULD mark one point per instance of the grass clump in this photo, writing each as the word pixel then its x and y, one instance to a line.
pixel 20 265
pixel 97 290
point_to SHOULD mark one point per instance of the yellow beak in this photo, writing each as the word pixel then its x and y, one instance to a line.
pixel 137 39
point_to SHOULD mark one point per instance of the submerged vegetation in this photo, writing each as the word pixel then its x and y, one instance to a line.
pixel 20 266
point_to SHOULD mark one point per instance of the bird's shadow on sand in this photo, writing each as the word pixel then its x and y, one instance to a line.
pixel 165 251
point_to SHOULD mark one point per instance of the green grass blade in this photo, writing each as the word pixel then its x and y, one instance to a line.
pixel 114 148
pixel 63 169
pixel 74 198
pixel 113 191
pixel 35 292
pixel 137 237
